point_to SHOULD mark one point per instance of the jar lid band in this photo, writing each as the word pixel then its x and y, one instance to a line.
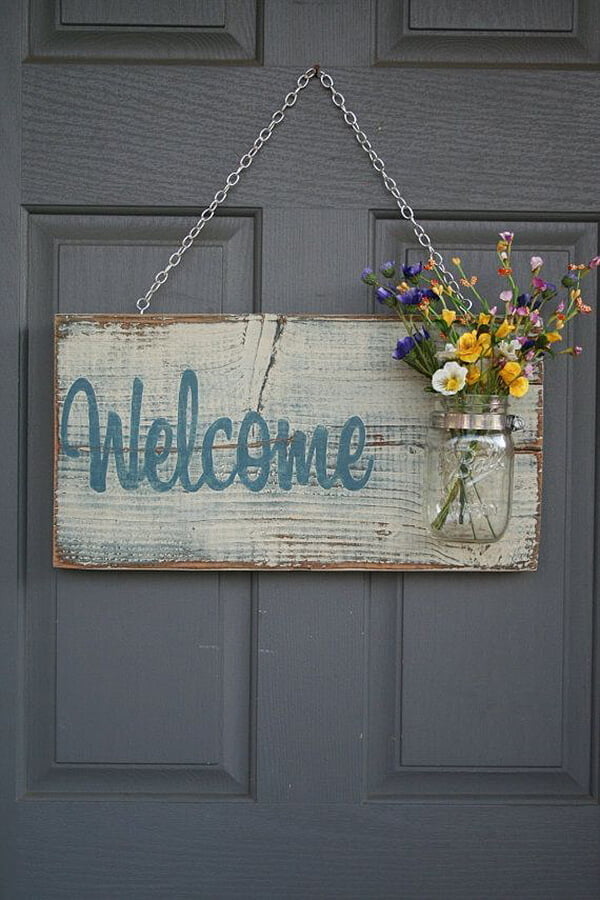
pixel 463 421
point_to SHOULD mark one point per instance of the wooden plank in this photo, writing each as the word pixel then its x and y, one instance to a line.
pixel 294 374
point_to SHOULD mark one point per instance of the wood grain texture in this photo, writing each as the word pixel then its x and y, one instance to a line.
pixel 312 371
pixel 537 33
pixel 208 31
pixel 151 150
pixel 513 15
pixel 11 343
pixel 168 13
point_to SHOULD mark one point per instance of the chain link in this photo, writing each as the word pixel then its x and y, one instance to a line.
pixel 245 162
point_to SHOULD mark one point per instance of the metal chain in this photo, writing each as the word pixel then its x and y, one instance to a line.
pixel 245 162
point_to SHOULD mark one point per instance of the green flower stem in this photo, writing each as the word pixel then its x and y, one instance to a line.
pixel 458 490
pixel 482 300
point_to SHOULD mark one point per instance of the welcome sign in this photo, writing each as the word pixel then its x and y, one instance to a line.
pixel 256 441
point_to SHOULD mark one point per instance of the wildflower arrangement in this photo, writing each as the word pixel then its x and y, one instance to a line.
pixel 494 351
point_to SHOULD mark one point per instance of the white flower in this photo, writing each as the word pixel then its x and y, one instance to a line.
pixel 509 349
pixel 536 262
pixel 449 352
pixel 450 379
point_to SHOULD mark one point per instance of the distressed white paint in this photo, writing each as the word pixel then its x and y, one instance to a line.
pixel 309 370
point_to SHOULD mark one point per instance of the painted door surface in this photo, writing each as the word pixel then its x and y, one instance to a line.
pixel 304 734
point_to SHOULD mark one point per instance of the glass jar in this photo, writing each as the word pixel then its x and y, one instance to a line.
pixel 469 474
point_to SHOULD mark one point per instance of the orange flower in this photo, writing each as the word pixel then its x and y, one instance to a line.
pixel 582 307
pixel 429 264
pixel 553 336
pixel 504 271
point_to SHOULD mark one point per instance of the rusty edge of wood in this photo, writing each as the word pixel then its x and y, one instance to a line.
pixel 61 562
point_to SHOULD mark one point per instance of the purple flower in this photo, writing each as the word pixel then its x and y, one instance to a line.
pixel 522 310
pixel 411 297
pixel 594 263
pixel 561 307
pixel 527 345
pixel 421 334
pixel 368 276
pixel 388 268
pixel 507 236
pixel 412 271
pixel 403 347
pixel 383 294
pixel 523 299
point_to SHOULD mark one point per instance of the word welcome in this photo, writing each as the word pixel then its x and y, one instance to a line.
pixel 294 455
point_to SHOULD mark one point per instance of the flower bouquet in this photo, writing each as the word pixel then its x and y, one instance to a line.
pixel 475 356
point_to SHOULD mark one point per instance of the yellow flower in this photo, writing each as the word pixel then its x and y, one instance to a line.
pixel 553 336
pixel 473 374
pixel 470 347
pixel 448 315
pixel 484 319
pixel 503 329
pixel 510 371
pixel 438 289
pixel 456 260
pixel 501 245
pixel 519 386
pixel 485 342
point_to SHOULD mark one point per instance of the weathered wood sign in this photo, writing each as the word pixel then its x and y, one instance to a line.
pixel 256 441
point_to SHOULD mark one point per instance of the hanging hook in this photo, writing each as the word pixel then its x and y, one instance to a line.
pixel 317 68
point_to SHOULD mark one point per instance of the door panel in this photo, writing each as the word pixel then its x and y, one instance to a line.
pixel 305 735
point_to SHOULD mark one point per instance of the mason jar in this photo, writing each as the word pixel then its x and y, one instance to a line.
pixel 469 475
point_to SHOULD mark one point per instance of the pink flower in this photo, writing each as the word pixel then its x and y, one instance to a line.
pixel 561 307
pixel 493 310
pixel 542 285
pixel 529 371
pixel 593 264
pixel 536 262
pixel 522 310
pixel 534 316
pixel 506 296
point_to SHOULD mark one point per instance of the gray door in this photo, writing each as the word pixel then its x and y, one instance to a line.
pixel 176 735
